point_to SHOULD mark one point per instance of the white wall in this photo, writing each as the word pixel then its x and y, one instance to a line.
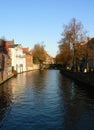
pixel 18 61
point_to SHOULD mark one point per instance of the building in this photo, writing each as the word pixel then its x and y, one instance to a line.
pixel 18 61
pixel 87 50
pixel 5 61
pixel 27 54
pixel 90 45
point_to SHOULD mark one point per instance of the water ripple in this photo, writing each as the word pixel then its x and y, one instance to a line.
pixel 45 100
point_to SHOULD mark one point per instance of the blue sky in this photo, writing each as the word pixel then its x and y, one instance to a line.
pixel 41 21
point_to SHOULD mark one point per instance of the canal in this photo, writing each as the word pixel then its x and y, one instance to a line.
pixel 45 100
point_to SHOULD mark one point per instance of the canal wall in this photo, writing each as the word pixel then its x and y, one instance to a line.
pixel 31 68
pixel 6 74
pixel 36 67
pixel 86 79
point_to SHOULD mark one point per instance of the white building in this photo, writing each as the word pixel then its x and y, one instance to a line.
pixel 18 61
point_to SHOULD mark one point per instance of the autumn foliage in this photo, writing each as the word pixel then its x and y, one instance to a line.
pixel 69 46
pixel 39 54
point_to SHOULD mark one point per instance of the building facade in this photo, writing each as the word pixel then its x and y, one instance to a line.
pixel 29 58
pixel 18 61
pixel 5 61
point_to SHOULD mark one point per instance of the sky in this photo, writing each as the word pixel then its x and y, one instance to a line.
pixel 29 22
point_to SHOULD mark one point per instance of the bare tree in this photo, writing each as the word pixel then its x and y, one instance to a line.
pixel 73 33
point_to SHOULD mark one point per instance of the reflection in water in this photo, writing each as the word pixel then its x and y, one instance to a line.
pixel 5 102
pixel 43 100
pixel 77 105
pixel 40 81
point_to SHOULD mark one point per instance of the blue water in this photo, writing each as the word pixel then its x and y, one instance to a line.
pixel 45 100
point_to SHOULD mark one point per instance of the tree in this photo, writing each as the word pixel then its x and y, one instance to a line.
pixel 65 54
pixel 58 59
pixel 73 34
pixel 39 54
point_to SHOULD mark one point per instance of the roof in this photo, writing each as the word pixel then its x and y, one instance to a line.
pixel 10 42
pixel 25 49
pixel 91 42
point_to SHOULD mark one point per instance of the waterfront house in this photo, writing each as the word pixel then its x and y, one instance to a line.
pixel 87 52
pixel 5 61
pixel 18 61
pixel 27 54
pixel 90 45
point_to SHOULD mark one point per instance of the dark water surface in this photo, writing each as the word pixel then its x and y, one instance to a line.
pixel 45 100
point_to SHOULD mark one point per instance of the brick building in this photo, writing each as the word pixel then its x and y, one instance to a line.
pixel 27 54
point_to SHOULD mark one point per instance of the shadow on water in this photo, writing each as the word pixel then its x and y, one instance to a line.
pixel 5 101
pixel 78 103
pixel 88 90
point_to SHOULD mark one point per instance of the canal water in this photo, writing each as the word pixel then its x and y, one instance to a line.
pixel 45 100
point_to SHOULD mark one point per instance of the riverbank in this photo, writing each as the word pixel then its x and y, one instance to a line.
pixel 83 78
pixel 5 79
pixel 4 75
